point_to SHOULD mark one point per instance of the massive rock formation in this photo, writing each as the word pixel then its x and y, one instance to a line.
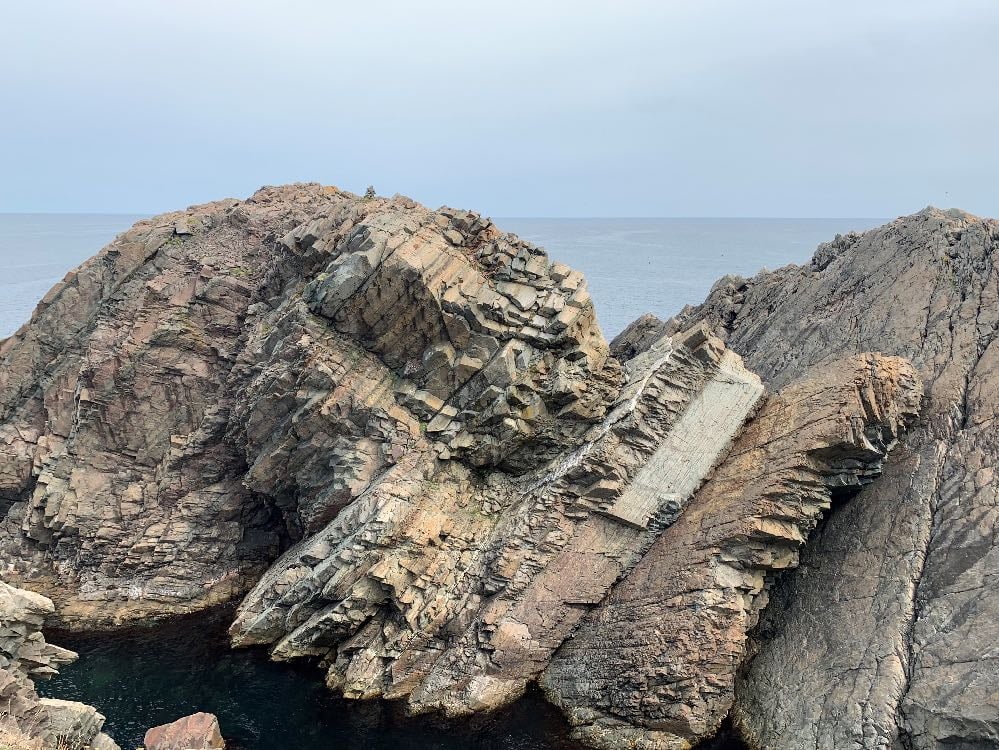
pixel 45 723
pixel 400 436
pixel 453 590
pixel 886 634
pixel 655 665
pixel 221 381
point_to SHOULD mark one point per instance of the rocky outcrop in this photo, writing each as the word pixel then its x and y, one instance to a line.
pixel 25 657
pixel 399 436
pixel 221 382
pixel 452 590
pixel 885 635
pixel 654 666
pixel 198 731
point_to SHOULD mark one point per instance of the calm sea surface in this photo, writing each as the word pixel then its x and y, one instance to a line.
pixel 633 265
pixel 154 676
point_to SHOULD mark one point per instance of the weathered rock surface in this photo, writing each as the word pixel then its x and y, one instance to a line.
pixel 26 657
pixel 655 665
pixel 454 591
pixel 886 635
pixel 198 731
pixel 185 404
pixel 401 436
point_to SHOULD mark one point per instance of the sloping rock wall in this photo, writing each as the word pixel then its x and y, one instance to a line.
pixel 655 664
pixel 455 591
pixel 891 617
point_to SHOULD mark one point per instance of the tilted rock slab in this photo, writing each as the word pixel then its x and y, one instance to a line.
pixel 26 657
pixel 886 634
pixel 655 665
pixel 454 592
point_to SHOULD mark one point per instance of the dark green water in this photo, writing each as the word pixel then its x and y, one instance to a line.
pixel 150 676
pixel 147 677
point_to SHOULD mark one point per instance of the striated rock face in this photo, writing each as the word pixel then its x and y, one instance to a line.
pixel 886 634
pixel 655 665
pixel 452 590
pixel 26 657
pixel 220 382
pixel 399 436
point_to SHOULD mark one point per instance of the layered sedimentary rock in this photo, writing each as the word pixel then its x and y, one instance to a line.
pixel 220 382
pixel 400 436
pixel 453 590
pixel 26 657
pixel 886 633
pixel 655 665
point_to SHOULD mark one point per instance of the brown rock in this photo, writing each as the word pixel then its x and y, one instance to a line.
pixel 655 664
pixel 198 731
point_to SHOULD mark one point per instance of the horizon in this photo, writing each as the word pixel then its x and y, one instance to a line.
pixel 645 109
pixel 151 214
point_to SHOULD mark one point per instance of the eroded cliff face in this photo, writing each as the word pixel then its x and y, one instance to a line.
pixel 886 634
pixel 399 437
pixel 220 382
pixel 25 657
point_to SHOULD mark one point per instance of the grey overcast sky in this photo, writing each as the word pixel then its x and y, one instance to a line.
pixel 515 108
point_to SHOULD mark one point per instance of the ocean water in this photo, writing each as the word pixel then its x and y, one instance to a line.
pixel 633 266
pixel 36 251
pixel 146 677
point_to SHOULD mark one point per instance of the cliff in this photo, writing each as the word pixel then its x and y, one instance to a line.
pixel 399 439
pixel 27 721
pixel 886 633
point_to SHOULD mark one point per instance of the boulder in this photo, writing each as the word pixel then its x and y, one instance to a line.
pixel 198 731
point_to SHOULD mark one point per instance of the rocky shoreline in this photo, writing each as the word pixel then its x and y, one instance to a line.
pixel 398 437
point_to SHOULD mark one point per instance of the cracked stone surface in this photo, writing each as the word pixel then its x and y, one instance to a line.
pixel 187 404
pixel 886 634
pixel 25 657
pixel 654 666
pixel 398 437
